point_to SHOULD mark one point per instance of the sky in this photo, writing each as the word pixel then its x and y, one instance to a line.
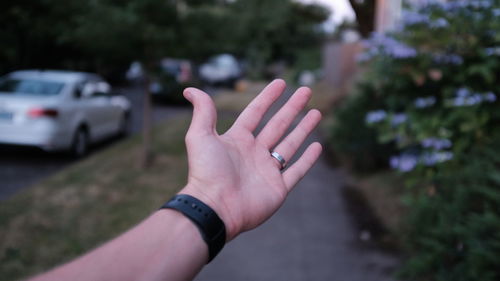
pixel 341 10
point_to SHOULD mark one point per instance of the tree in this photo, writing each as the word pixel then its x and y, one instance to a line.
pixel 365 15
pixel 206 30
pixel 115 31
pixel 30 33
pixel 271 30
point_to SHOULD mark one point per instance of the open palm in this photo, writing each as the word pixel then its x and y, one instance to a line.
pixel 234 173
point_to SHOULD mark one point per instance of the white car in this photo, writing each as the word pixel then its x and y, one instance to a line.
pixel 59 110
pixel 221 69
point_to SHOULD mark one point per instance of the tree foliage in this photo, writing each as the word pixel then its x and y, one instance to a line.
pixel 271 30
pixel 105 35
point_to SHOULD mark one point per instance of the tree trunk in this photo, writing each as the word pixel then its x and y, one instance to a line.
pixel 147 156
pixel 365 15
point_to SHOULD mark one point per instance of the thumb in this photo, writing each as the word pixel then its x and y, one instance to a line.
pixel 204 113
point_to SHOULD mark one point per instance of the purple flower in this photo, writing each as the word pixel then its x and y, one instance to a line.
pixel 404 162
pixel 365 56
pixel 492 51
pixel 436 143
pixel 401 52
pixel 464 97
pixel 439 23
pixel 394 162
pixel 467 101
pixel 433 158
pixel 458 101
pixel 407 162
pixel 375 116
pixel 478 4
pixel 412 18
pixel 425 3
pixel 448 59
pixel 383 44
pixel 490 97
pixel 474 99
pixel 463 92
pixel 398 118
pixel 424 102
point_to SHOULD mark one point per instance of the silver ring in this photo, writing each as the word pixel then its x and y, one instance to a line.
pixel 280 158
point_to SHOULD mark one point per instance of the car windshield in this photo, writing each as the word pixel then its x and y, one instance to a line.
pixel 30 87
pixel 222 61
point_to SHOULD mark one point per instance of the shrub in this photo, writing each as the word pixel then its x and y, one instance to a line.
pixel 431 91
pixel 352 141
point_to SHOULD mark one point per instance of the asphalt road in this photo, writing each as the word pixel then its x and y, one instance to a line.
pixel 22 167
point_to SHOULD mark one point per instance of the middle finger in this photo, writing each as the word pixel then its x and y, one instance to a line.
pixel 279 123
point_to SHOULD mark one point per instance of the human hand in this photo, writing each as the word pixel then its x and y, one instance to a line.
pixel 234 173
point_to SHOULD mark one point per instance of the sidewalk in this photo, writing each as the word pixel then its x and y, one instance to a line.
pixel 311 237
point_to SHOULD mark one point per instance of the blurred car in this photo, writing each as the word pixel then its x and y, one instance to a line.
pixel 59 110
pixel 223 69
pixel 172 76
pixel 135 73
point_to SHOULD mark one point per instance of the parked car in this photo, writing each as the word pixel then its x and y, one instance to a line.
pixel 172 77
pixel 59 110
pixel 223 69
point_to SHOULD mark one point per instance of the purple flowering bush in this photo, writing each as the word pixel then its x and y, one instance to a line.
pixel 436 79
pixel 431 91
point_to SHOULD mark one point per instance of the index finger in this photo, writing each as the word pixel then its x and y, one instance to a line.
pixel 250 117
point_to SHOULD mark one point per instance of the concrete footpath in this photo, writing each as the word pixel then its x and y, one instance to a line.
pixel 310 238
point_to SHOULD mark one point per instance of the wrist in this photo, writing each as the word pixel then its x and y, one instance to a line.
pixel 209 224
pixel 217 204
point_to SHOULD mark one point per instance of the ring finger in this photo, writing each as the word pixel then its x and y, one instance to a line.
pixel 294 140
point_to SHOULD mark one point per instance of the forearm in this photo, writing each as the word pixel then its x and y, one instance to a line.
pixel 165 246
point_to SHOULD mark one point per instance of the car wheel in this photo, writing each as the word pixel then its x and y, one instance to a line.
pixel 80 145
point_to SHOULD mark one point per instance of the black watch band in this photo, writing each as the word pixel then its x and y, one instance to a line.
pixel 212 228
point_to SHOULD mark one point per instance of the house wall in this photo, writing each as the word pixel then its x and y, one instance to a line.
pixel 388 13
pixel 340 64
